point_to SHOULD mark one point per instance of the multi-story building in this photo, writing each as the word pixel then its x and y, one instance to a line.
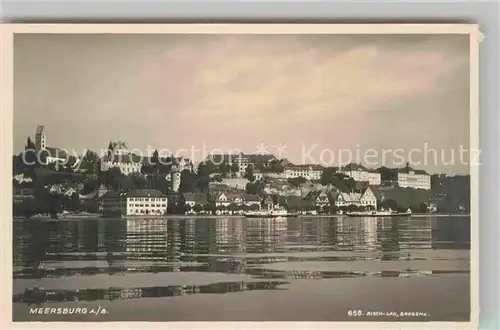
pixel 366 198
pixel 183 163
pixel 410 178
pixel 227 198
pixel 360 173
pixel 129 162
pixel 309 172
pixel 192 199
pixel 244 160
pixel 319 198
pixel 255 161
pixel 126 161
pixel 135 202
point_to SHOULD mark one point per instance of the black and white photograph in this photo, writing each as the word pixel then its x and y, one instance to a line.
pixel 246 173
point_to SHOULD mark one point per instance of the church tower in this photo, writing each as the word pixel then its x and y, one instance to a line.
pixel 40 138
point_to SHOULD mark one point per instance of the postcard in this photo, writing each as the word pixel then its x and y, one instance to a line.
pixel 315 174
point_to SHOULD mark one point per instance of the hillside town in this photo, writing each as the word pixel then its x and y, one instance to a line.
pixel 121 182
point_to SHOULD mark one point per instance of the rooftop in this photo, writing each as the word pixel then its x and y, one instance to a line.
pixel 39 129
pixel 258 158
pixel 354 167
pixel 304 166
pixel 251 198
pixel 195 197
pixel 408 169
pixel 129 158
pixel 134 193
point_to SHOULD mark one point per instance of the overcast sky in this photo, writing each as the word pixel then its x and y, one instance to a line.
pixel 305 92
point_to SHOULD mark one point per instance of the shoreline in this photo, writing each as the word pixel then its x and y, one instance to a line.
pixel 182 216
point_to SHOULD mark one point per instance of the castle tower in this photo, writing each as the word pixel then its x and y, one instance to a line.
pixel 176 178
pixel 40 138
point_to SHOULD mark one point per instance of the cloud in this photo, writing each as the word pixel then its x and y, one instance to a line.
pixel 262 80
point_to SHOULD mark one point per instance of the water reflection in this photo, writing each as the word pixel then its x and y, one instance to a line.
pixel 38 297
pixel 264 250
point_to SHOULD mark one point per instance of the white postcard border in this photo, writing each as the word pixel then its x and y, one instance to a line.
pixel 6 119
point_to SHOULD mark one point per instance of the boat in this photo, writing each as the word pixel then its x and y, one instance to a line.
pixel 379 214
pixel 270 214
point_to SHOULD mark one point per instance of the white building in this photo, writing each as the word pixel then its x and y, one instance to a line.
pixel 360 173
pixel 184 164
pixel 309 172
pixel 127 162
pixel 417 179
pixel 358 199
pixel 259 175
pixel 227 198
pixel 135 202
pixel 243 160
pixel 254 160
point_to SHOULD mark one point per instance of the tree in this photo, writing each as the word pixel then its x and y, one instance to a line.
pixel 390 204
pixel 296 182
pixel 54 204
pixel 89 162
pixel 17 164
pixel 154 158
pixel 235 168
pixel 422 208
pixel 435 181
pixel 224 169
pixel 233 207
pixel 351 183
pixel 352 208
pixel 160 183
pixel 136 180
pixel 222 208
pixel 206 168
pixel 110 148
pixel 30 160
pixel 333 209
pixel 71 203
pixel 327 176
pixel 254 207
pixel 276 166
pixel 254 188
pixel 197 208
pixel 216 178
pixel 114 178
pixel 249 173
pixel 188 182
pixel 387 174
pixel 203 183
pixel 185 208
pixel 172 208
pixel 210 208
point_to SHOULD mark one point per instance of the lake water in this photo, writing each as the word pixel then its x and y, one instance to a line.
pixel 237 269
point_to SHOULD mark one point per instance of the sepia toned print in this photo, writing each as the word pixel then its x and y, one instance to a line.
pixel 245 173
